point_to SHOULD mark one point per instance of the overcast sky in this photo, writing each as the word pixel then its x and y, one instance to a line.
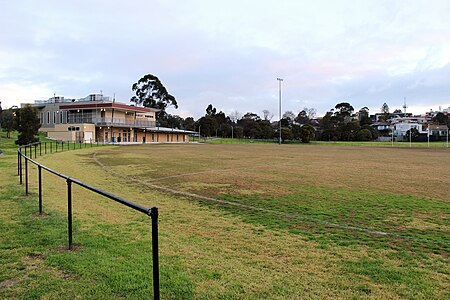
pixel 229 53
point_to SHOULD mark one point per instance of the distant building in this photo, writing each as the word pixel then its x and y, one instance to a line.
pixel 96 118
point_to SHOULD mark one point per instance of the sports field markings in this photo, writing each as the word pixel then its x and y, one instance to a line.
pixel 276 212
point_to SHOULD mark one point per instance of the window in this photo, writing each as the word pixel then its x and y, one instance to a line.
pixel 61 117
pixel 54 117
pixel 48 117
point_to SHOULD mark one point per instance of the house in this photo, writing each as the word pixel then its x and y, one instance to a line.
pixel 98 119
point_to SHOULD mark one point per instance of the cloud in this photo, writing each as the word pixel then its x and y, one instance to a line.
pixel 230 53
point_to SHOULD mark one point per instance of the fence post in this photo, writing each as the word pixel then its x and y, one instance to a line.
pixel 40 189
pixel 35 150
pixel 69 211
pixel 18 162
pixel 20 167
pixel 56 143
pixel 154 216
pixel 51 147
pixel 45 147
pixel 40 149
pixel 25 150
pixel 26 176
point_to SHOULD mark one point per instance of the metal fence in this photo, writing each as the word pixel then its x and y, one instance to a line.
pixel 25 153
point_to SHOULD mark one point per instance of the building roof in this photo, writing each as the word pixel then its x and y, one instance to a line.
pixel 84 105
pixel 167 129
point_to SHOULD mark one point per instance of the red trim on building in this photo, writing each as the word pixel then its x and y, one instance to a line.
pixel 109 105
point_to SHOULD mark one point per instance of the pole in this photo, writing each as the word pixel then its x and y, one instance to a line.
pixel 428 133
pixel 26 176
pixel 69 211
pixel 40 189
pixel 40 149
pixel 45 147
pixel 154 216
pixel 35 151
pixel 20 168
pixel 18 162
pixel 279 96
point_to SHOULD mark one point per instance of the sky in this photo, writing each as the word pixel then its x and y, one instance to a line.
pixel 230 53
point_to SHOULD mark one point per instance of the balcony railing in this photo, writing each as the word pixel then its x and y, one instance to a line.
pixel 122 122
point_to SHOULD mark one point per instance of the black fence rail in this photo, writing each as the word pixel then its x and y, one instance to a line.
pixel 25 153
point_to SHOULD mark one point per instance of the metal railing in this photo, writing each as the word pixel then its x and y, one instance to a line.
pixel 22 154
pixel 108 121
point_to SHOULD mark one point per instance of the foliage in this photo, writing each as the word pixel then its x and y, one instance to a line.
pixel 286 134
pixel 364 135
pixel 441 119
pixel 307 133
pixel 412 134
pixel 7 119
pixel 150 92
pixel 364 117
pixel 28 125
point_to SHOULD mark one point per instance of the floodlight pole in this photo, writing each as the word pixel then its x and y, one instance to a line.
pixel 279 97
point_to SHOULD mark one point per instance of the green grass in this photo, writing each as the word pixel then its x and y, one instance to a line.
pixel 215 251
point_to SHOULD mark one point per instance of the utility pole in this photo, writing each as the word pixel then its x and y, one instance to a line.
pixel 279 96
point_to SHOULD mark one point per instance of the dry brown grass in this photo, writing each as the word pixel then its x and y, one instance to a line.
pixel 225 256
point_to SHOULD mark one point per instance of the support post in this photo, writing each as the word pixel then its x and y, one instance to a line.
pixel 18 162
pixel 40 188
pixel 20 167
pixel 69 211
pixel 154 216
pixel 56 143
pixel 45 147
pixel 35 150
pixel 40 149
pixel 26 176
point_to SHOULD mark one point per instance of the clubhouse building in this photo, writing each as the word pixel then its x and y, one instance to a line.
pixel 98 119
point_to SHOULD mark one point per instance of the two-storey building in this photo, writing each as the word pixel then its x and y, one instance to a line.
pixel 98 119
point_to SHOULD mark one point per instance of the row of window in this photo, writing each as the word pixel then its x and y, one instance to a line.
pixel 56 117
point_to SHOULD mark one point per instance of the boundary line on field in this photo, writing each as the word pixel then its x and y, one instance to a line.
pixel 276 212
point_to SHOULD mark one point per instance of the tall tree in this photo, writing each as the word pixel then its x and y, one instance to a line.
pixel 28 125
pixel 441 118
pixel 150 92
pixel 7 120
pixel 343 111
pixel 235 116
pixel 302 117
pixel 307 133
pixel 363 116
pixel 267 115
pixel 385 108
pixel 211 110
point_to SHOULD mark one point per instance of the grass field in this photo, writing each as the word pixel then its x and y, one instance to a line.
pixel 236 221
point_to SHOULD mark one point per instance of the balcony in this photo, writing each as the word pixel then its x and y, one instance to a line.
pixel 116 122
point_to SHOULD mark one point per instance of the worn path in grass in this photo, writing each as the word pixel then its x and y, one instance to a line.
pixel 206 252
